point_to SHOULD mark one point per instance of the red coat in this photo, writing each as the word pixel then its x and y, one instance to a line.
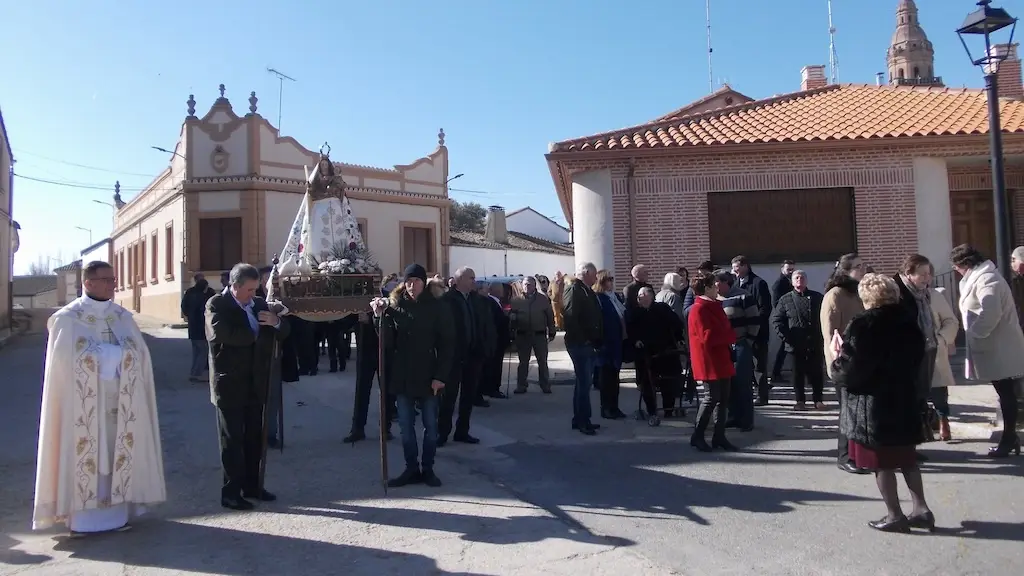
pixel 711 337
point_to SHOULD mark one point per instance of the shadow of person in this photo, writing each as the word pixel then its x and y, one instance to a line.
pixel 481 529
pixel 194 548
pixel 978 530
pixel 13 557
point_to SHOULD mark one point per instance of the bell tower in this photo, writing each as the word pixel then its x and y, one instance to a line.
pixel 910 57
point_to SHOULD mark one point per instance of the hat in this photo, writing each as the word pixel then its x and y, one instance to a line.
pixel 386 289
pixel 415 271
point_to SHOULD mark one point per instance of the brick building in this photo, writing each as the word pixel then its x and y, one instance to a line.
pixel 883 170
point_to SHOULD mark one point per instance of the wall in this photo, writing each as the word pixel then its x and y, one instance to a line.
pixel 68 286
pixel 530 222
pixel 384 230
pixel 670 193
pixel 160 292
pixel 6 210
pixel 491 262
pixel 44 300
pixel 101 253
pixel 280 209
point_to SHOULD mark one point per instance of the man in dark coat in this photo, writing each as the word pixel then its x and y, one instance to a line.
pixel 242 332
pixel 783 285
pixel 490 379
pixel 193 310
pixel 584 336
pixel 474 331
pixel 797 320
pixel 756 286
pixel 419 343
pixel 639 280
pixel 367 357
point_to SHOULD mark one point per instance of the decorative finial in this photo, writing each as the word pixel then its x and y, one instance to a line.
pixel 325 150
pixel 221 88
pixel 440 137
pixel 191 105
pixel 252 102
pixel 117 195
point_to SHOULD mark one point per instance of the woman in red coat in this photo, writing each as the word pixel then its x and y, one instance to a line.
pixel 711 356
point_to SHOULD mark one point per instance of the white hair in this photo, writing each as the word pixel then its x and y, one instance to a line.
pixel 646 289
pixel 799 272
pixel 583 267
pixel 462 272
pixel 1018 253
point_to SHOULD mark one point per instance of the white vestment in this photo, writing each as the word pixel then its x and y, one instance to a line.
pixel 99 456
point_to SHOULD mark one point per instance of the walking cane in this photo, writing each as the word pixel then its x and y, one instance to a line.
pixel 508 367
pixel 382 417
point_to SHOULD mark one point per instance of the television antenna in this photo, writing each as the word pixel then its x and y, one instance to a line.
pixel 833 57
pixel 707 20
pixel 281 77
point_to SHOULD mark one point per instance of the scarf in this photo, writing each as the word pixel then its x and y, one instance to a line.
pixel 923 298
pixel 618 306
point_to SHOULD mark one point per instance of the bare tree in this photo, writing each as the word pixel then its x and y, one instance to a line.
pixel 45 263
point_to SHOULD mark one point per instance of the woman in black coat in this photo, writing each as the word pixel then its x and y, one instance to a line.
pixel 877 367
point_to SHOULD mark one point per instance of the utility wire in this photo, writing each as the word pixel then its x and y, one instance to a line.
pixel 83 166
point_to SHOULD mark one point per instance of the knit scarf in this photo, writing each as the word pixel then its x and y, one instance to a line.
pixel 925 322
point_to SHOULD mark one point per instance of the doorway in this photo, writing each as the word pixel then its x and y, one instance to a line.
pixel 973 220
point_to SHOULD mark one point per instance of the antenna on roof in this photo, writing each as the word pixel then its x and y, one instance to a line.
pixel 833 57
pixel 707 20
pixel 281 77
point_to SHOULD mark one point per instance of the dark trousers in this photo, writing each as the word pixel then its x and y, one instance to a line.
pixel 366 369
pixel 780 361
pixel 1006 389
pixel 714 405
pixel 463 392
pixel 940 399
pixel 537 343
pixel 335 354
pixel 306 349
pixel 761 369
pixel 200 358
pixel 843 454
pixel 490 373
pixel 645 383
pixel 609 385
pixel 241 446
pixel 808 368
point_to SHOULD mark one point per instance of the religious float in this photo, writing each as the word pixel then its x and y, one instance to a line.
pixel 324 272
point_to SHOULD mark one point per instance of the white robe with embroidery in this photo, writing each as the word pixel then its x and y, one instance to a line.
pixel 99 456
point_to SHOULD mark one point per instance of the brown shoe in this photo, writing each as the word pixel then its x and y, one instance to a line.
pixel 944 432
pixel 800 407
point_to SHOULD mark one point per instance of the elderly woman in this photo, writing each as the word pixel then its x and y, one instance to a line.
pixel 555 294
pixel 938 323
pixel 995 343
pixel 672 293
pixel 609 356
pixel 877 365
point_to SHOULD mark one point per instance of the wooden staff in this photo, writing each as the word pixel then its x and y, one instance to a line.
pixel 383 416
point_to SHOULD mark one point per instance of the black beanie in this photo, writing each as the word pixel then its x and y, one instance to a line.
pixel 415 271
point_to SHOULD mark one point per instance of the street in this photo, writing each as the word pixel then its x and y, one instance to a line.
pixel 533 498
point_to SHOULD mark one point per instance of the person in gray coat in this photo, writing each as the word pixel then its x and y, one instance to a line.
pixel 671 293
pixel 995 342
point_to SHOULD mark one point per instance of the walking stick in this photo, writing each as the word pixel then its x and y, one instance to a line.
pixel 266 419
pixel 384 423
pixel 508 367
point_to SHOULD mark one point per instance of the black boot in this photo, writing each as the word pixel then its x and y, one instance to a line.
pixel 410 476
pixel 700 426
pixel 354 436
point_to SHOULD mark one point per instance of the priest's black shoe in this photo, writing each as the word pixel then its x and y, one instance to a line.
pixel 410 476
pixel 466 439
pixel 852 468
pixel 887 525
pixel 481 403
pixel 499 395
pixel 430 479
pixel 262 495
pixel 354 436
pixel 723 444
pixel 700 444
pixel 236 503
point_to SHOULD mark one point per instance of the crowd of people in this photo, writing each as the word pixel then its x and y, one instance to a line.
pixel 883 341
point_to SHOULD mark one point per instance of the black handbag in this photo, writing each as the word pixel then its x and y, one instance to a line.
pixel 929 423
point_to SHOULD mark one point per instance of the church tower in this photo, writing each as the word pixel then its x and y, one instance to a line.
pixel 911 57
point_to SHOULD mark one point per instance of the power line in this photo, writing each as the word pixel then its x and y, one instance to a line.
pixel 83 166
pixel 488 193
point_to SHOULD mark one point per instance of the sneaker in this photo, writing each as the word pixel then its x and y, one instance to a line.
pixel 431 479
pixel 410 476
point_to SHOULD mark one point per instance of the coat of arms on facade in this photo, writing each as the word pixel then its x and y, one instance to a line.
pixel 219 159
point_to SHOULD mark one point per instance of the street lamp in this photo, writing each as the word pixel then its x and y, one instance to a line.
pixel 983 22
pixel 86 230
pixel 456 177
pixel 166 151
pixel 105 204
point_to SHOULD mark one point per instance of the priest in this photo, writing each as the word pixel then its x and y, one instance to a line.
pixel 99 459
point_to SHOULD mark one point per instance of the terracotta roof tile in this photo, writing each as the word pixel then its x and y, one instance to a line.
pixel 841 112
pixel 516 241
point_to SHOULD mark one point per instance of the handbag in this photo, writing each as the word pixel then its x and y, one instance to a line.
pixel 929 423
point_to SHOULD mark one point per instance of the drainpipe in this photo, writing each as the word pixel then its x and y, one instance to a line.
pixel 631 210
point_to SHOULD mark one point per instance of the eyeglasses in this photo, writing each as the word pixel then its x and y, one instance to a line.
pixel 107 279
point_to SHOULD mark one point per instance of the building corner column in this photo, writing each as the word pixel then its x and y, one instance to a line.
pixel 592 218
pixel 932 210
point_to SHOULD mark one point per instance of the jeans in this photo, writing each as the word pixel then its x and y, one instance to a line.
pixel 584 358
pixel 940 399
pixel 200 358
pixel 741 397
pixel 407 424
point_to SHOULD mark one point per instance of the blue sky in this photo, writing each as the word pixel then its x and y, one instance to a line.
pixel 96 84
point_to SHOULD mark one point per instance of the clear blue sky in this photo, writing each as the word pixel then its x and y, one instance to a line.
pixel 98 83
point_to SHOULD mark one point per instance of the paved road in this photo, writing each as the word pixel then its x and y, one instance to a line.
pixel 533 498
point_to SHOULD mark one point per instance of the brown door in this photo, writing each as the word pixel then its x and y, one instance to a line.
pixel 973 220
pixel 136 298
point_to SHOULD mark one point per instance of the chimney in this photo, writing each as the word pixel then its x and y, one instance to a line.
pixel 1007 67
pixel 812 77
pixel 879 78
pixel 495 230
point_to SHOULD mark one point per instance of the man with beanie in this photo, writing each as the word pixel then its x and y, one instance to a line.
pixel 474 341
pixel 418 343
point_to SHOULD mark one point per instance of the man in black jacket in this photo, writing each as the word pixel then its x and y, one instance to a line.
pixel 241 331
pixel 367 357
pixel 474 341
pixel 797 320
pixel 630 292
pixel 756 286
pixel 782 286
pixel 584 335
pixel 193 310
pixel 419 346
pixel 490 379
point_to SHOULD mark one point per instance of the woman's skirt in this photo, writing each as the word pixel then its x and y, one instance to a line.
pixel 883 457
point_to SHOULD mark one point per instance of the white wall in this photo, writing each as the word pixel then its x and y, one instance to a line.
pixel 281 208
pixel 100 253
pixel 173 214
pixel 47 299
pixel 492 262
pixel 934 223
pixel 530 222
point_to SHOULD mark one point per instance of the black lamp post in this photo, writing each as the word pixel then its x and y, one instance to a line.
pixel 983 22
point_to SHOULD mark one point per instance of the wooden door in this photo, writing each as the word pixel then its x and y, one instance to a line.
pixel 973 220
pixel 136 298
